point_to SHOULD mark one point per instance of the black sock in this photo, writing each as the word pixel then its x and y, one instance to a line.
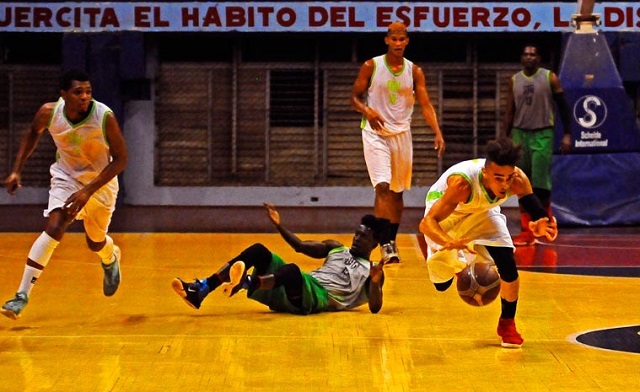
pixel 508 309
pixel 394 230
pixel 254 282
pixel 384 231
pixel 213 281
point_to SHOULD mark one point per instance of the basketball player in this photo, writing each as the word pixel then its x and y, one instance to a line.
pixel 91 152
pixel 385 92
pixel 463 222
pixel 347 278
pixel 529 120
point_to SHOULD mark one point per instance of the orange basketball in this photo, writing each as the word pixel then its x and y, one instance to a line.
pixel 478 284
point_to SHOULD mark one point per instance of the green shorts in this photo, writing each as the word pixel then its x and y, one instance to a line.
pixel 537 151
pixel 315 298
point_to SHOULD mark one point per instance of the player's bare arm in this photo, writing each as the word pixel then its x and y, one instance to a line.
pixel 458 191
pixel 428 112
pixel 28 145
pixel 521 186
pixel 376 280
pixel 564 111
pixel 315 249
pixel 360 87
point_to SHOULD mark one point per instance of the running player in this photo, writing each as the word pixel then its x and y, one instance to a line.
pixel 463 221
pixel 91 152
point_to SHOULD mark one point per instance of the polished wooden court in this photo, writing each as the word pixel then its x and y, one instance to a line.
pixel 72 338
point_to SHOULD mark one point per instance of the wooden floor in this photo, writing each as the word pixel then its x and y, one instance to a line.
pixel 72 338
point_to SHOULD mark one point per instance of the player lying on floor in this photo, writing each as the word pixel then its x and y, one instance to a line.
pixel 347 278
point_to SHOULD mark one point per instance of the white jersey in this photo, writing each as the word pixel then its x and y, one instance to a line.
pixel 478 219
pixel 82 148
pixel 392 95
pixel 479 200
pixel 344 277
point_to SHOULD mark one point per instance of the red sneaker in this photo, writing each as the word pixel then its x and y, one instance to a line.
pixel 510 336
pixel 525 238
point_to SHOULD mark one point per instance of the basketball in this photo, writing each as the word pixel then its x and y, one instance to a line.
pixel 478 284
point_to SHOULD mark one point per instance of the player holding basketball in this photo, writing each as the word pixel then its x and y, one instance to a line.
pixel 91 152
pixel 463 221
pixel 347 278
pixel 529 119
pixel 385 92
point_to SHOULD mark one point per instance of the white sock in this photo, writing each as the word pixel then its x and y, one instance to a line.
pixel 40 253
pixel 29 278
pixel 106 253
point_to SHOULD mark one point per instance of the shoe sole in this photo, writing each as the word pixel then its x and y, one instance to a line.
pixel 393 260
pixel 177 286
pixel 10 314
pixel 236 275
pixel 510 345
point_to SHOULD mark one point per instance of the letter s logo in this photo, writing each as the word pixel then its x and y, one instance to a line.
pixel 590 111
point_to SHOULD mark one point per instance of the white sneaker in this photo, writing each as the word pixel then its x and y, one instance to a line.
pixel 389 253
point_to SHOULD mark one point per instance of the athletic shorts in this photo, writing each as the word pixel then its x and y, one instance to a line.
pixel 389 159
pixel 537 152
pixel 315 298
pixel 98 211
pixel 487 228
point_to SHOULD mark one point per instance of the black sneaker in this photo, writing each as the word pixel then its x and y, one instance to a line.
pixel 193 293
pixel 238 277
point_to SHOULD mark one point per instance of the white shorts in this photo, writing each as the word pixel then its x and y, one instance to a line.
pixel 389 159
pixel 96 213
pixel 487 228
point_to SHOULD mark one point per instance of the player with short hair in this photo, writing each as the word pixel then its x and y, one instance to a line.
pixel 463 222
pixel 385 92
pixel 91 152
pixel 347 278
pixel 529 120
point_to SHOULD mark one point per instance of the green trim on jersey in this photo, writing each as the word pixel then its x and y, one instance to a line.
pixel 389 68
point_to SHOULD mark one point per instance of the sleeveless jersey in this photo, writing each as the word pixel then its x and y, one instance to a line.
pixel 391 95
pixel 533 100
pixel 343 275
pixel 82 148
pixel 479 199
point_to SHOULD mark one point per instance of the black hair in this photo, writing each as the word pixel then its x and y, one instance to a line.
pixel 531 45
pixel 503 152
pixel 70 75
pixel 374 224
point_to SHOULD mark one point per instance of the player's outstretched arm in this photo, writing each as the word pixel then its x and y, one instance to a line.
pixel 541 225
pixel 315 249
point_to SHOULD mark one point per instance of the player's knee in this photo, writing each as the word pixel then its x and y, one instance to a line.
pixel 93 245
pixel 444 285
pixel 505 262
pixel 508 272
pixel 256 251
pixel 382 188
pixel 288 274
